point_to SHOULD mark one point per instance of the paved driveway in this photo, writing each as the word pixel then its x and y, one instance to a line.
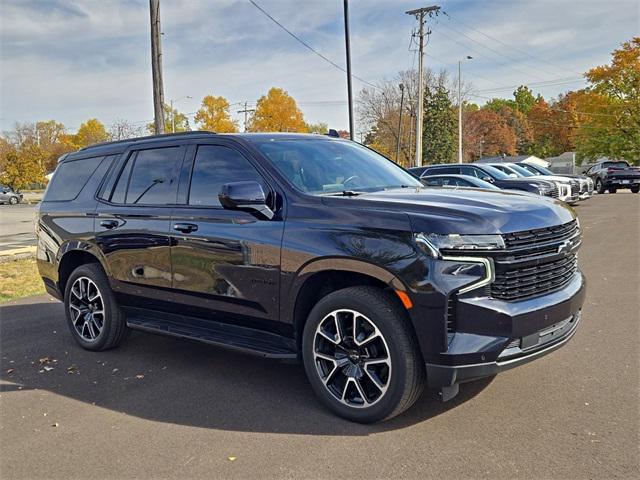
pixel 160 407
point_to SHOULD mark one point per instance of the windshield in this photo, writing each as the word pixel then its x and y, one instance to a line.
pixel 543 170
pixel 495 173
pixel 521 171
pixel 616 164
pixel 322 167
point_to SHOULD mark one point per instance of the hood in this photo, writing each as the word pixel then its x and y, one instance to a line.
pixel 551 178
pixel 469 211
pixel 523 181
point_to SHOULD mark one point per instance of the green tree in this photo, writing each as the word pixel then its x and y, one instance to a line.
pixel 319 128
pixel 497 104
pixel 524 99
pixel 439 131
pixel 214 115
pixel 174 121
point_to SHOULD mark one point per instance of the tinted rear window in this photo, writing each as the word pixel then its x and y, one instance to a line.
pixel 69 179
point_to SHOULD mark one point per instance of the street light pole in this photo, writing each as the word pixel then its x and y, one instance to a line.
pixel 460 107
pixel 173 115
pixel 400 122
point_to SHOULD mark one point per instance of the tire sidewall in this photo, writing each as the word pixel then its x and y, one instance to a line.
pixel 13 201
pixel 384 322
pixel 96 275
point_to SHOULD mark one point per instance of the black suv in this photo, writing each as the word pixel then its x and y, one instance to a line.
pixel 614 174
pixel 304 246
pixel 489 174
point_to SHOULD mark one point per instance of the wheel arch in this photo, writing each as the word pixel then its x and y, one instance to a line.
pixel 71 256
pixel 322 277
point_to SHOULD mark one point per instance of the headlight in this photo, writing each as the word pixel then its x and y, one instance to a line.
pixel 433 243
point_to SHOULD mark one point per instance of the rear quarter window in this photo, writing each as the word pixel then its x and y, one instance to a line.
pixel 70 178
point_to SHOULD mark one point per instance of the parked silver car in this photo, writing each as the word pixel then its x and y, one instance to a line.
pixel 7 195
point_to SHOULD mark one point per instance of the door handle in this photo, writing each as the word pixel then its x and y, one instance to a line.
pixel 185 227
pixel 109 224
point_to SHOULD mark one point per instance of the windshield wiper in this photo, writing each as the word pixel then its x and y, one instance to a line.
pixel 344 193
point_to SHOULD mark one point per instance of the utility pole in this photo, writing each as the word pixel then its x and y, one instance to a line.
pixel 348 48
pixel 156 67
pixel 468 57
pixel 246 110
pixel 400 122
pixel 420 14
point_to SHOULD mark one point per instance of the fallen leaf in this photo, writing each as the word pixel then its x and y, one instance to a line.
pixel 140 377
pixel 10 371
pixel 48 369
pixel 44 360
pixel 72 369
pixel 55 424
pixel 114 370
pixel 232 459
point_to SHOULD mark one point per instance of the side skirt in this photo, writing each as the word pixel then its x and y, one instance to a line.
pixel 243 339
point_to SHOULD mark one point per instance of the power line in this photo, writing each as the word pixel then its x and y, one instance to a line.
pixel 309 47
pixel 530 55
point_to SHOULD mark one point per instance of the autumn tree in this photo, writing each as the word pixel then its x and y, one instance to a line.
pixel 439 126
pixel 90 132
pixel 174 121
pixel 23 166
pixel 613 100
pixel 214 115
pixel 277 111
pixel 487 134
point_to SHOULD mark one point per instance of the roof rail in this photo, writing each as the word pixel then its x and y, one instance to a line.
pixel 333 133
pixel 149 137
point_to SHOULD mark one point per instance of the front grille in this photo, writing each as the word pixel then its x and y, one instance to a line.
pixel 519 283
pixel 553 192
pixel 575 188
pixel 533 238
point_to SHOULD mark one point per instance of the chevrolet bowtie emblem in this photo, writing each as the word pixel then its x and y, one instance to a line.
pixel 565 246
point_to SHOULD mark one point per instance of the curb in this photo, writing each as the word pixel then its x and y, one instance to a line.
pixel 17 253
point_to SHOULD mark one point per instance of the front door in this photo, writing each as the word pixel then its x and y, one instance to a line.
pixel 133 223
pixel 226 264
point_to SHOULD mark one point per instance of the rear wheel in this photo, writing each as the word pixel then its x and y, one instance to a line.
pixel 360 355
pixel 93 316
pixel 635 189
pixel 13 200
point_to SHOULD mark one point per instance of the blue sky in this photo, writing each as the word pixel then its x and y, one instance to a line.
pixel 73 60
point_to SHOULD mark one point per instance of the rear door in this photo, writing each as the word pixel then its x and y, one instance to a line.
pixel 226 263
pixel 133 222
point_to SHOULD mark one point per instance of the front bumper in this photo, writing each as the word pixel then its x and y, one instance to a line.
pixel 495 335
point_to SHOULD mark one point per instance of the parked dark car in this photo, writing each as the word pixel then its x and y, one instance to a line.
pixel 457 181
pixel 585 183
pixel 614 174
pixel 491 175
pixel 304 246
pixel 7 195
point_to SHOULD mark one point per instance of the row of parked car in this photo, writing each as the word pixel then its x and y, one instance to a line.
pixel 530 177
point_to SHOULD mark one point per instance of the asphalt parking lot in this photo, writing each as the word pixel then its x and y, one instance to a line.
pixel 16 226
pixel 160 407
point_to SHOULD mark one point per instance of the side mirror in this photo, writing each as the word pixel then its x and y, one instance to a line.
pixel 487 179
pixel 245 196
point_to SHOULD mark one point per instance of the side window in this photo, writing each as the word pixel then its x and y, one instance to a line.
pixel 148 178
pixel 471 171
pixel 434 182
pixel 445 171
pixel 69 179
pixel 214 166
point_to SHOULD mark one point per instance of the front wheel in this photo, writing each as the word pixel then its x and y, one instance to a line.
pixel 93 316
pixel 361 356
pixel 613 190
pixel 599 186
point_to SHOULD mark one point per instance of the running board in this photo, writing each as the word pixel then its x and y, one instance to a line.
pixel 243 339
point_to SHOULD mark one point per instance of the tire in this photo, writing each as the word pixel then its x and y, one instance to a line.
pixel 613 190
pixel 599 186
pixel 393 377
pixel 13 200
pixel 635 189
pixel 100 331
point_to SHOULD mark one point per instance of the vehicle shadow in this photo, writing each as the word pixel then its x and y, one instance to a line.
pixel 176 381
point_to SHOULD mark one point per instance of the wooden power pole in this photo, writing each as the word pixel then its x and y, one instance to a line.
pixel 420 14
pixel 156 67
